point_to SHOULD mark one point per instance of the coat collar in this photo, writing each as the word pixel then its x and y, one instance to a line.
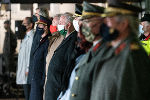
pixel 72 34
pixel 30 33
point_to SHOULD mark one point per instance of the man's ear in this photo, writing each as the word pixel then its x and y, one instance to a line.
pixel 69 25
pixel 45 28
pixel 31 24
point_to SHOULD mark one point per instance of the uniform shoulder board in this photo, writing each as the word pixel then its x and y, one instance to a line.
pixel 134 46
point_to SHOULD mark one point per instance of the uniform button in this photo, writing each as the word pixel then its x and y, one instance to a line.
pixel 73 95
pixel 77 78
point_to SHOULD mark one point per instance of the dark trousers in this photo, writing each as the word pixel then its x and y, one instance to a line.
pixel 27 88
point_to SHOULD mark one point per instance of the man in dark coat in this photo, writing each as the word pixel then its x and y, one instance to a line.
pixel 41 13
pixel 39 62
pixel 123 71
pixel 62 61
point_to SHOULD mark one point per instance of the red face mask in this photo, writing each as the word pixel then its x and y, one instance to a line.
pixel 53 29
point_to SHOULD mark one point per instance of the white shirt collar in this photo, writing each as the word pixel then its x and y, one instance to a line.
pixel 97 41
pixel 30 33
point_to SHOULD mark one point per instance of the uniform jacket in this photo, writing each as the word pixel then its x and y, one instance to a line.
pixel 123 73
pixel 60 67
pixel 81 88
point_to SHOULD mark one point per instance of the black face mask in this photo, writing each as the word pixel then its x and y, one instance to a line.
pixel 23 28
pixel 39 31
pixel 38 34
pixel 108 33
pixel 34 18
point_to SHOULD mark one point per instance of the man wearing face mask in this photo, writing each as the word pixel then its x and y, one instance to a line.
pixel 39 62
pixel 24 56
pixel 55 22
pixel 43 14
pixel 77 15
pixel 90 27
pixel 145 37
pixel 123 69
pixel 64 95
pixel 62 61
pixel 54 42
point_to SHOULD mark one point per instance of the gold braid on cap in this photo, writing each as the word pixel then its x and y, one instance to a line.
pixel 112 11
pixel 41 23
pixel 77 15
pixel 118 10
pixel 90 14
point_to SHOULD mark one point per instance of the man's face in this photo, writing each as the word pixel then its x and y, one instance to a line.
pixel 116 23
pixel 146 26
pixel 26 24
pixel 111 22
pixel 55 21
pixel 94 24
pixel 62 20
pixel 6 26
pixel 37 12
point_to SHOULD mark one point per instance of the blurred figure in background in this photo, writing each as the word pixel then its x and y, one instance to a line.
pixel 145 37
pixel 9 49
pixel 24 56
pixel 123 68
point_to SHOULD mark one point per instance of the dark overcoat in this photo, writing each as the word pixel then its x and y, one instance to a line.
pixel 60 67
pixel 38 70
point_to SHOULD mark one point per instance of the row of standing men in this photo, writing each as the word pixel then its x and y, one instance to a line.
pixel 92 55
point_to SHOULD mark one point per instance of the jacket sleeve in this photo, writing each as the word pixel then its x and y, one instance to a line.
pixel 28 53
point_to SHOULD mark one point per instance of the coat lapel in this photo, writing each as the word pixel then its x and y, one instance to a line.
pixel 65 40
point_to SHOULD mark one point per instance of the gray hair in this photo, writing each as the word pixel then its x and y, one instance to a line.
pixel 133 23
pixel 147 23
pixel 69 17
pixel 44 12
pixel 58 16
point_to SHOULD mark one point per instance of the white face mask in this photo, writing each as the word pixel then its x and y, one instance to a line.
pixel 76 25
pixel 140 29
pixel 60 27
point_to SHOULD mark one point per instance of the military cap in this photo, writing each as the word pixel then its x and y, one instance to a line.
pixel 119 8
pixel 146 17
pixel 90 10
pixel 43 20
pixel 78 10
